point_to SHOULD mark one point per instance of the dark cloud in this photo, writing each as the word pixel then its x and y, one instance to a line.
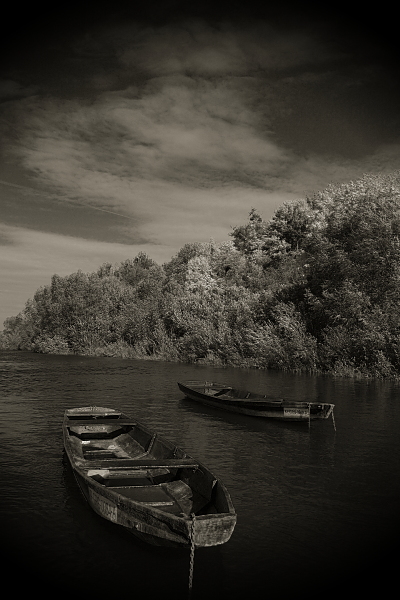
pixel 202 103
pixel 12 90
pixel 27 208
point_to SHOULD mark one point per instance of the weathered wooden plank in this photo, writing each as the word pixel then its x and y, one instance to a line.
pixel 168 463
pixel 76 422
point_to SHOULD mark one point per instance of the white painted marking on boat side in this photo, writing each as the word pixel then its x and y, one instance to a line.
pixel 296 412
pixel 106 507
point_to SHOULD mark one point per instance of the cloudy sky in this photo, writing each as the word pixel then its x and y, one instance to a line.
pixel 143 130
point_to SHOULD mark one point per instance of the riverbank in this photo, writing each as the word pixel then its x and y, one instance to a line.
pixel 124 351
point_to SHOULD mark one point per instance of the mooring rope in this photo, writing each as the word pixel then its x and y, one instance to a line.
pixel 333 420
pixel 192 547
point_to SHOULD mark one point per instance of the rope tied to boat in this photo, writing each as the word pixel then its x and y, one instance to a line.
pixel 333 421
pixel 192 547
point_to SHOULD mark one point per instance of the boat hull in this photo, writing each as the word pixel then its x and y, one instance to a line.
pixel 118 489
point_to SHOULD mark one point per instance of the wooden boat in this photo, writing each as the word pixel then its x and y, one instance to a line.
pixel 135 478
pixel 257 405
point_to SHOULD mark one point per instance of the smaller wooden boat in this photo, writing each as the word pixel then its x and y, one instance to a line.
pixel 257 405
pixel 135 478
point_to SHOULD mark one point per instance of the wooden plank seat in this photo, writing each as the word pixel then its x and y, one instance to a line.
pixel 221 392
pixel 149 496
pixel 126 473
pixel 131 463
pixel 113 422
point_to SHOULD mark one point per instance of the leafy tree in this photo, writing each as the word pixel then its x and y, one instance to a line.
pixel 294 223
pixel 315 289
pixel 250 238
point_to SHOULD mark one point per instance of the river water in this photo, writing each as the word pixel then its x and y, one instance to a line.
pixel 318 509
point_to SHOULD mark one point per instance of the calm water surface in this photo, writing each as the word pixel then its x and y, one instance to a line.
pixel 318 510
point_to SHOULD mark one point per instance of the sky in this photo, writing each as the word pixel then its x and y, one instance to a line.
pixel 143 129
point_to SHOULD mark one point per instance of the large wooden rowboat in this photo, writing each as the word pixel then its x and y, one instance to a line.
pixel 257 405
pixel 135 478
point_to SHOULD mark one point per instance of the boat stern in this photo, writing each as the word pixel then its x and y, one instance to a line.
pixel 211 530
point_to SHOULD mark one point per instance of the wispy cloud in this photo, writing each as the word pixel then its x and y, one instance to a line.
pixel 175 129
pixel 195 110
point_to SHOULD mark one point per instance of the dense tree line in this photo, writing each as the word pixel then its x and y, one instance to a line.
pixel 314 289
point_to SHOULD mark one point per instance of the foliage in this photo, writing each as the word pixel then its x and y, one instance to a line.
pixel 316 288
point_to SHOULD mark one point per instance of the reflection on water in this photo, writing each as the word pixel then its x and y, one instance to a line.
pixel 314 505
